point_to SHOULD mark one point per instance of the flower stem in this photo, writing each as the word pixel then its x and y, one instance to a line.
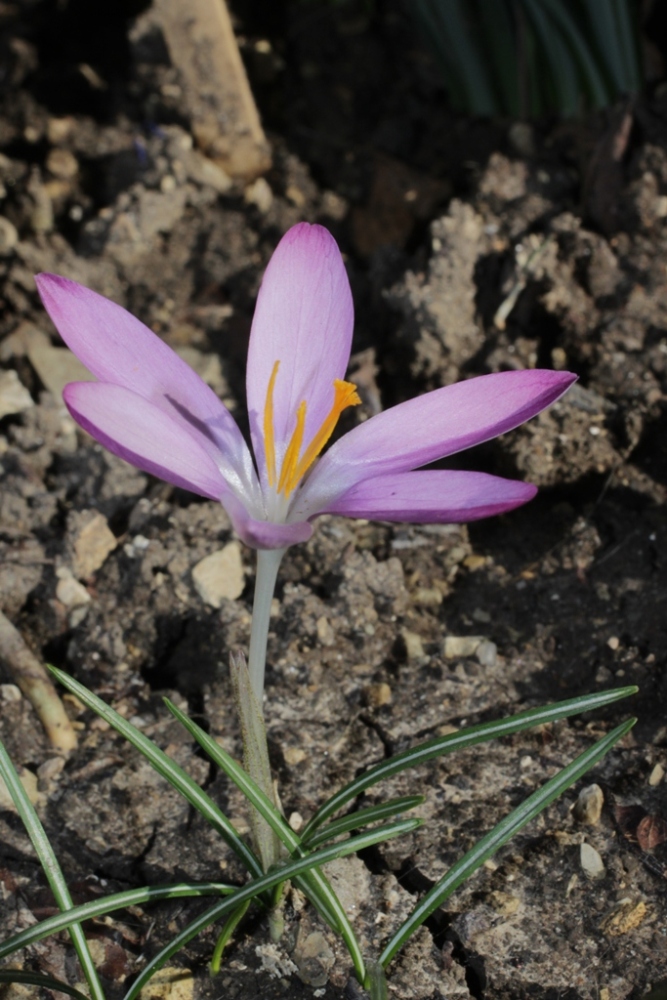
pixel 268 561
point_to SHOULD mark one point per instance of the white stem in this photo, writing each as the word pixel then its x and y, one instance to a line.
pixel 268 561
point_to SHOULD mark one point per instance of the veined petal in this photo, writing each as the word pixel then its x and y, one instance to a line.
pixel 432 497
pixel 428 428
pixel 144 435
pixel 118 349
pixel 264 534
pixel 303 319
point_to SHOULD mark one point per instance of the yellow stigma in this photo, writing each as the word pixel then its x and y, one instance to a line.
pixel 294 464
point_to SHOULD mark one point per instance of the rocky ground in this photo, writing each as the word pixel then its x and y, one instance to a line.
pixel 472 247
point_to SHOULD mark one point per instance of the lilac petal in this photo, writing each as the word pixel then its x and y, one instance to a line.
pixel 432 497
pixel 429 428
pixel 144 435
pixel 304 318
pixel 118 349
pixel 264 534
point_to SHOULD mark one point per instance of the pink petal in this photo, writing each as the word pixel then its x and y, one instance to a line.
pixel 264 534
pixel 304 318
pixel 118 349
pixel 144 435
pixel 430 427
pixel 432 497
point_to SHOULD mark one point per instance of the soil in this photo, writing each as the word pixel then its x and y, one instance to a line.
pixel 472 246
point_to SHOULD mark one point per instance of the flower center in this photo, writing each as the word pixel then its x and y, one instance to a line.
pixel 295 464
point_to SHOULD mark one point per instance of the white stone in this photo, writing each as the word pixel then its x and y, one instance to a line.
pixel 29 781
pixel 220 576
pixel 9 236
pixel 461 645
pixel 14 397
pixel 56 366
pixel 69 591
pixel 91 547
pixel 259 194
pixel 487 653
pixel 588 807
pixel 591 862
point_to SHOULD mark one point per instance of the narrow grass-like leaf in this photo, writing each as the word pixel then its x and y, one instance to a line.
pixel 628 34
pixel 500 834
pixel 285 873
pixel 37 979
pixel 376 981
pixel 314 883
pixel 108 904
pixel 362 817
pixel 232 923
pixel 468 737
pixel 167 768
pixel 447 20
pixel 600 94
pixel 52 869
pixel 499 31
pixel 564 76
pixel 608 45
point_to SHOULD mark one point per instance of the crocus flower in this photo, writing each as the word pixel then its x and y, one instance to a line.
pixel 151 409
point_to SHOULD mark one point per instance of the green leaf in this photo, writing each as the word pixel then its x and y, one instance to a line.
pixel 564 76
pixel 469 737
pixel 37 979
pixel 285 873
pixel 314 883
pixel 117 901
pixel 166 767
pixel 52 869
pixel 232 923
pixel 500 834
pixel 362 817
pixel 448 27
pixel 598 90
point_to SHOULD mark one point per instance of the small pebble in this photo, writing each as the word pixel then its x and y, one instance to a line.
pixel 656 775
pixel 28 780
pixel 487 653
pixel 414 648
pixel 220 576
pixel 14 397
pixel 259 194
pixel 461 645
pixel 62 164
pixel 69 591
pixel 428 597
pixel 295 821
pixel 591 862
pixel 10 692
pixel 378 695
pixel 9 236
pixel 93 543
pixel 325 633
pixel 588 807
pixel 614 642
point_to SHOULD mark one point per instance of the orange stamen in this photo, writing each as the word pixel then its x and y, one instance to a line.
pixel 345 394
pixel 269 441
pixel 291 459
pixel 293 468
